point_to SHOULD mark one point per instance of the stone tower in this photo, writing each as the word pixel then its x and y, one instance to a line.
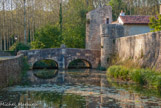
pixel 96 18
pixel 108 35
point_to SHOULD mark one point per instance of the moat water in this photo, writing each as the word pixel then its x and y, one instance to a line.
pixel 78 89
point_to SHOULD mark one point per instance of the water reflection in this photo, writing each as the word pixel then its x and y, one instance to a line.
pixel 77 89
pixel 73 76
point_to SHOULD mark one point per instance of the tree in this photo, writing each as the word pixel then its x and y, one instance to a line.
pixel 61 18
pixel 25 40
pixel 47 37
pixel 155 23
pixel 74 25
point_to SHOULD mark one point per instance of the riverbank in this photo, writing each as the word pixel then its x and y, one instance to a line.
pixel 145 77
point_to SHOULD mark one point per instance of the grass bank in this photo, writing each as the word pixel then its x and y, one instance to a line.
pixel 145 77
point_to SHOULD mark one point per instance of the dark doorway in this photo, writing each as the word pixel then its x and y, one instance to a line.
pixel 107 21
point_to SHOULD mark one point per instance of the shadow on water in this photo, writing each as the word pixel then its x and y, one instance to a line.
pixel 76 88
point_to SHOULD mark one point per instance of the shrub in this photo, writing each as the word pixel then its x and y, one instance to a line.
pixel 137 76
pixel 118 72
pixel 19 46
pixel 155 23
pixel 146 77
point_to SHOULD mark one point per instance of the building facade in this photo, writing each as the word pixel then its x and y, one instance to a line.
pixel 134 25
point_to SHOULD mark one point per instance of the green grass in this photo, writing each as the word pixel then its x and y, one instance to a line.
pixel 145 77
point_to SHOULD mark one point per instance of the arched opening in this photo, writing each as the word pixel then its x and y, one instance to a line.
pixel 45 64
pixel 79 64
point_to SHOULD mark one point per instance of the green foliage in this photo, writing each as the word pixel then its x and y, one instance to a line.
pixel 48 36
pixel 74 25
pixel 146 77
pixel 155 23
pixel 19 46
pixel 45 74
pixel 70 31
pixel 117 6
pixel 118 72
pixel 137 76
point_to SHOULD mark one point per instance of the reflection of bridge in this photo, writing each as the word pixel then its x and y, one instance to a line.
pixel 63 56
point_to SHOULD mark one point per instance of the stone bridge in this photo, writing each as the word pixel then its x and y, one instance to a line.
pixel 62 56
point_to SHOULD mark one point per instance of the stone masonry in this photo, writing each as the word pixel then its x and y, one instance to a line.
pixel 95 19
pixel 62 56
pixel 109 33
pixel 10 70
pixel 143 48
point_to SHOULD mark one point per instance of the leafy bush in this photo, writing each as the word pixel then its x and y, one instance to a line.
pixel 137 76
pixel 155 23
pixel 19 46
pixel 146 77
pixel 118 72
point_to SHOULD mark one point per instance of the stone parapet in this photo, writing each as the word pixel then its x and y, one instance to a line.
pixel 10 70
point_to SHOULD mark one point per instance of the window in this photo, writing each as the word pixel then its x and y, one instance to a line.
pixel 107 21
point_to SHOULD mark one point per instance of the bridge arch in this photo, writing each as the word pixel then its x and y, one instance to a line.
pixel 86 61
pixel 49 60
pixel 63 56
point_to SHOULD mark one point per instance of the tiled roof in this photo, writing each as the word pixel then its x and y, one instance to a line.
pixel 135 19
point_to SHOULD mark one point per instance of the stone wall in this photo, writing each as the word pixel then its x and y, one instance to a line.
pixel 10 71
pixel 2 53
pixel 144 49
pixel 108 35
pixel 95 19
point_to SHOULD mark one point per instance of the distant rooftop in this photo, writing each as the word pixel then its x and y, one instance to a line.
pixel 127 19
